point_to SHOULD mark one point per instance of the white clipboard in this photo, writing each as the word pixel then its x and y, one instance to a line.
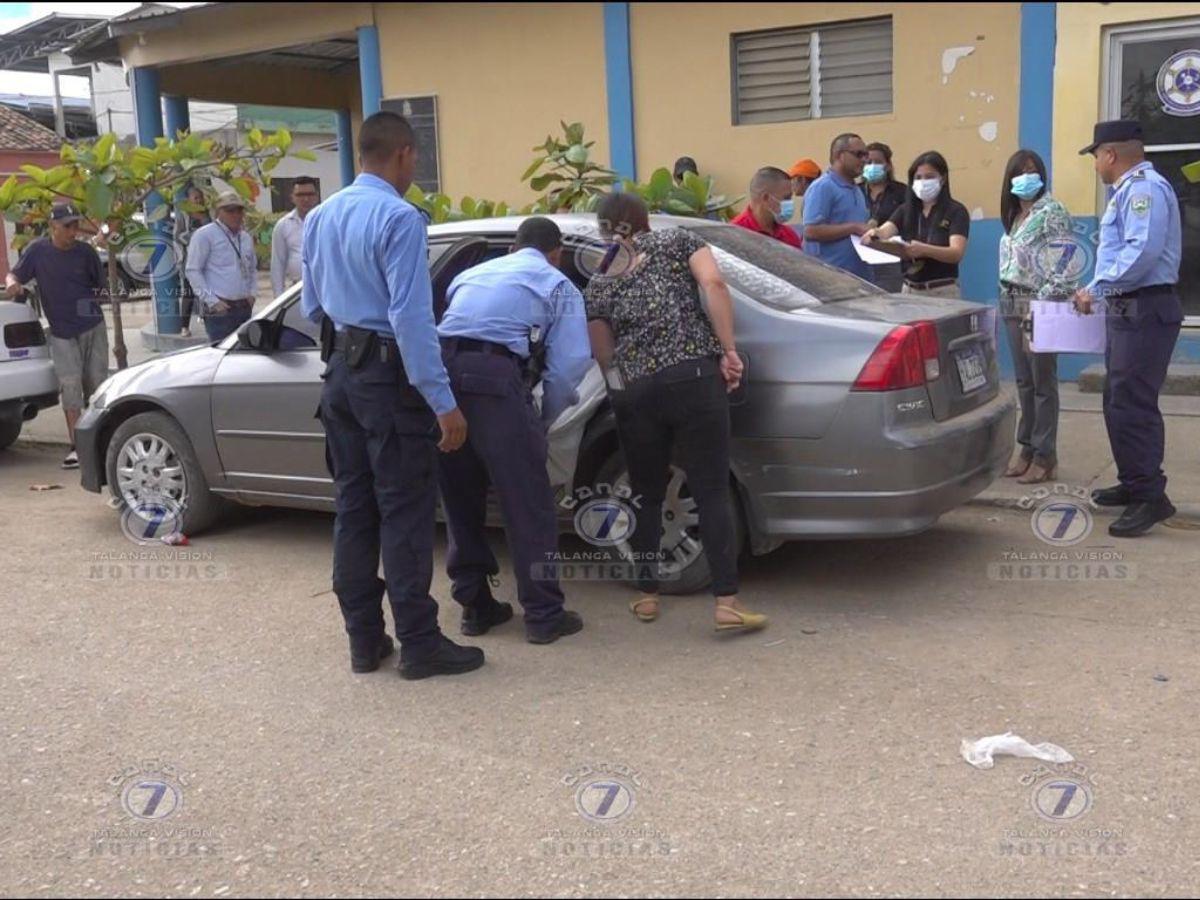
pixel 1058 328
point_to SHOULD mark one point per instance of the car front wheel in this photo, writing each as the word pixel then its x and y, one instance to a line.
pixel 151 461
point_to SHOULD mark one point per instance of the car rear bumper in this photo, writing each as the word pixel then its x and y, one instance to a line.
pixel 897 481
pixel 87 445
pixel 28 382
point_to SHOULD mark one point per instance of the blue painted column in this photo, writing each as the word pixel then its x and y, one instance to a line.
pixel 1039 23
pixel 170 285
pixel 345 147
pixel 148 117
pixel 370 71
pixel 178 117
pixel 618 71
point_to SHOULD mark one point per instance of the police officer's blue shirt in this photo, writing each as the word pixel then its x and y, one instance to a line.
pixel 832 200
pixel 1140 237
pixel 365 265
pixel 503 299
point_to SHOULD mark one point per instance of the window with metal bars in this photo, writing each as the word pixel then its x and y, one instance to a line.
pixel 815 72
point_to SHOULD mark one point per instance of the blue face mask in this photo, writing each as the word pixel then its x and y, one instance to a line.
pixel 787 209
pixel 874 172
pixel 1028 185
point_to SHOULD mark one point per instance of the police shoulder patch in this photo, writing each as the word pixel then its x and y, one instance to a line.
pixel 1140 204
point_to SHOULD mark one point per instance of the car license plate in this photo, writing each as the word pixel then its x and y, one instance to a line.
pixel 971 371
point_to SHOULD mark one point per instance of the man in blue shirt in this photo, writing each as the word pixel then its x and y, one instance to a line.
pixel 503 316
pixel 365 274
pixel 1137 275
pixel 835 209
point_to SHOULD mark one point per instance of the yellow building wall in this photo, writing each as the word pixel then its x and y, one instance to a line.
pixel 682 85
pixel 504 75
pixel 1078 104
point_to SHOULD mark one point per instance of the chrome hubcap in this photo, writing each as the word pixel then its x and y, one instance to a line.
pixel 148 469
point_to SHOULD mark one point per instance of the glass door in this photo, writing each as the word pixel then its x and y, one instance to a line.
pixel 1152 74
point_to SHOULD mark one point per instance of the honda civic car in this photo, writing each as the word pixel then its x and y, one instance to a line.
pixel 862 414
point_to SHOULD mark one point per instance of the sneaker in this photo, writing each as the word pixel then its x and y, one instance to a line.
pixel 71 460
pixel 185 332
pixel 448 659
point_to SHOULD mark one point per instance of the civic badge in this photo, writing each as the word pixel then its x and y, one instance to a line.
pixel 974 322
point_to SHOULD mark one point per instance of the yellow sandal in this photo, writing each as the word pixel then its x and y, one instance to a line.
pixel 747 621
pixel 644 617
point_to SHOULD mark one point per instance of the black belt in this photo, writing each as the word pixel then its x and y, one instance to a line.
pixel 1148 289
pixel 341 339
pixel 472 345
pixel 930 285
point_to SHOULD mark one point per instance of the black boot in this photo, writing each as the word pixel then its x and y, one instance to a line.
pixel 448 659
pixel 366 659
pixel 1117 495
pixel 569 623
pixel 1140 517
pixel 477 620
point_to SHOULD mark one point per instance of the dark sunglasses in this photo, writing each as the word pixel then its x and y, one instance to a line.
pixel 861 154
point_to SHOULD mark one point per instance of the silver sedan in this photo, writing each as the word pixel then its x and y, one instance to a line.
pixel 863 414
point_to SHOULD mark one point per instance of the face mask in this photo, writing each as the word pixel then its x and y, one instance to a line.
pixel 874 172
pixel 787 209
pixel 927 188
pixel 1027 186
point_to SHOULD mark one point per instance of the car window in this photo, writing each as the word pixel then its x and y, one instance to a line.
pixel 296 332
pixel 776 274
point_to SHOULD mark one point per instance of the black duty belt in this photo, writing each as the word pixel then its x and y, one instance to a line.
pixel 341 340
pixel 930 285
pixel 472 345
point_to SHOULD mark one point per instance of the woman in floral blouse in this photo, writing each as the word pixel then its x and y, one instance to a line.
pixel 1037 262
pixel 670 365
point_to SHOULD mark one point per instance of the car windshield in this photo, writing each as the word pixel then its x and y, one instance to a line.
pixel 776 274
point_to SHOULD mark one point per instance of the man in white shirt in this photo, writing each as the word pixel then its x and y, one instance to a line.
pixel 288 236
pixel 221 268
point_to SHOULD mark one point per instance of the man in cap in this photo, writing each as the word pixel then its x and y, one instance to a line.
pixel 504 316
pixel 222 267
pixel 1137 276
pixel 803 173
pixel 70 280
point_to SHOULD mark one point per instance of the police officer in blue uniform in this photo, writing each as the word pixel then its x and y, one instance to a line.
pixel 385 400
pixel 1137 276
pixel 508 320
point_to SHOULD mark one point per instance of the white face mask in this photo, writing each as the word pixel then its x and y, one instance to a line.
pixel 927 189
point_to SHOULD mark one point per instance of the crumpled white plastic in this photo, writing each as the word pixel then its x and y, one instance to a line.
pixel 979 753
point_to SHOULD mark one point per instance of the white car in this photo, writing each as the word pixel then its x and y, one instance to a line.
pixel 27 382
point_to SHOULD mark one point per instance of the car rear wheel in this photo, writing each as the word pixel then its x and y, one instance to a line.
pixel 10 429
pixel 685 567
pixel 151 460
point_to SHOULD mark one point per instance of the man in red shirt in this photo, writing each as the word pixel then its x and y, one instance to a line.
pixel 771 206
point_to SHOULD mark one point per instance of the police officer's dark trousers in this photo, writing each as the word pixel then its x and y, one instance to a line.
pixel 506 447
pixel 1142 329
pixel 381 448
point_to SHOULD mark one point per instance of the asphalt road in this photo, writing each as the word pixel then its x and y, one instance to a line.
pixel 212 696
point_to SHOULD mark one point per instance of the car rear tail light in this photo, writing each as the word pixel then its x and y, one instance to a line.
pixel 896 363
pixel 930 352
pixel 24 334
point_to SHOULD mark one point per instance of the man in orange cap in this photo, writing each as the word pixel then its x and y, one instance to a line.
pixel 803 173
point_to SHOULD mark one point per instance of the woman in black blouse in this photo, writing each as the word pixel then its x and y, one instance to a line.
pixel 670 367
pixel 883 192
pixel 934 225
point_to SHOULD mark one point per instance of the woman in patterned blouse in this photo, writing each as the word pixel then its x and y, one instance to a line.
pixel 670 367
pixel 1038 261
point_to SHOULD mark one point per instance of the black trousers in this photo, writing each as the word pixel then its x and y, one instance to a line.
pixel 506 448
pixel 680 413
pixel 380 443
pixel 1142 329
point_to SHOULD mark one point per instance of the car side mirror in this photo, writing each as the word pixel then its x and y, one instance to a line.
pixel 256 335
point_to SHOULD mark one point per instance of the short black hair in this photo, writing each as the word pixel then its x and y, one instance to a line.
pixel 622 213
pixel 540 233
pixel 382 134
pixel 842 143
pixel 304 179
pixel 768 177
pixel 685 164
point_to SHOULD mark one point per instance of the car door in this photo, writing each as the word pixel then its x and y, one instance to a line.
pixel 264 402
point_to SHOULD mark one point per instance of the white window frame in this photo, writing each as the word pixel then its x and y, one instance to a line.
pixel 1116 38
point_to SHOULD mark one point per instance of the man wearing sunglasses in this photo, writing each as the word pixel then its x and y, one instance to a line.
pixel 71 281
pixel 835 210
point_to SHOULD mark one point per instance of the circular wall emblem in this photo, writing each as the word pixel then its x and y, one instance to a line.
pixel 151 256
pixel 1061 800
pixel 151 798
pixel 1062 522
pixel 605 521
pixel 604 800
pixel 152 521
pixel 1179 84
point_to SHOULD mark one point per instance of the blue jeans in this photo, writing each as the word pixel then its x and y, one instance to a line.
pixel 220 326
